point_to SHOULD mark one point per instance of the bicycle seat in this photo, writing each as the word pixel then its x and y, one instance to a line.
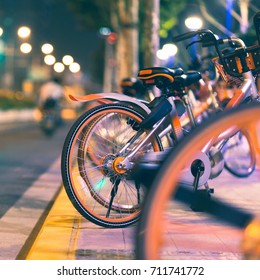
pixel 187 79
pixel 159 76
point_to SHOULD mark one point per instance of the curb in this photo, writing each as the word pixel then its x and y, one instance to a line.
pixel 17 115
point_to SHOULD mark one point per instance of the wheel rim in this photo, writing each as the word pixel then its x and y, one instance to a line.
pixel 239 156
pixel 91 185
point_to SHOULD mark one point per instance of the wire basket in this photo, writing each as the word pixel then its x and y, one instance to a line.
pixel 231 80
pixel 230 67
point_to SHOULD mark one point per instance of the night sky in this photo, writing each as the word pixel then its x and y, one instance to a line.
pixel 52 22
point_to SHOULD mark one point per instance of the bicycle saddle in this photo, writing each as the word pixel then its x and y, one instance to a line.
pixel 159 76
pixel 187 79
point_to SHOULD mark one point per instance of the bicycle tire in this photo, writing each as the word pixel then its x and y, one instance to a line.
pixel 149 234
pixel 239 156
pixel 87 200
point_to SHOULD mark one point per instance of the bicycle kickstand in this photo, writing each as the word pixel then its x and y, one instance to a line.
pixel 138 186
pixel 113 194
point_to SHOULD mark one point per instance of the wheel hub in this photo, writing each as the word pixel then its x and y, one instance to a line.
pixel 116 165
pixel 110 165
pixel 106 165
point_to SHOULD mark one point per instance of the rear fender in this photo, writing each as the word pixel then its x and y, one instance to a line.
pixel 110 98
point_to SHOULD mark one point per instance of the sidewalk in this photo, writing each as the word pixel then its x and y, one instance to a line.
pixel 66 235
pixel 30 209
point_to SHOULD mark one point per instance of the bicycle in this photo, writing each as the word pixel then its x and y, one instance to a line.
pixel 146 131
pixel 219 92
pixel 165 227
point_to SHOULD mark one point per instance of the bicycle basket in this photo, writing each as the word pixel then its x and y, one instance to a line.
pixel 231 80
pixel 230 67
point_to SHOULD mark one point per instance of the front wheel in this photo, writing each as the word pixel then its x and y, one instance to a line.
pixel 168 229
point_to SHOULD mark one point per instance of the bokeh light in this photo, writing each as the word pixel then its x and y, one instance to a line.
pixel 193 23
pixel 74 67
pixel 24 32
pixel 58 67
pixel 47 48
pixel 25 48
pixel 49 59
pixel 167 51
pixel 67 59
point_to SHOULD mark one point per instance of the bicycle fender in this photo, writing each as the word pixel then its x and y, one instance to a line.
pixel 111 97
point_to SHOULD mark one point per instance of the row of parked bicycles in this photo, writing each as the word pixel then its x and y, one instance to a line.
pixel 130 160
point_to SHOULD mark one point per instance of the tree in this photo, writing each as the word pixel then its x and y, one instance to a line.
pixel 157 19
pixel 121 16
pixel 128 18
pixel 151 31
pixel 127 45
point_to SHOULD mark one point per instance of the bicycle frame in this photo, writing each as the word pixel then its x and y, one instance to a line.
pixel 172 123
pixel 246 89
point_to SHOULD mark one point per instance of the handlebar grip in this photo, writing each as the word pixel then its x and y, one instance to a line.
pixel 184 36
pixel 207 37
pixel 206 44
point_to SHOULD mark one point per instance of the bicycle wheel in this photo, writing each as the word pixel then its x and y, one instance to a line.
pixel 167 228
pixel 89 165
pixel 239 155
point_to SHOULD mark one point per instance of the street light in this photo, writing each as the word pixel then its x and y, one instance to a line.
pixel 49 59
pixel 12 54
pixel 58 67
pixel 193 23
pixel 67 59
pixel 26 48
pixel 47 48
pixel 74 67
pixel 167 51
pixel 24 32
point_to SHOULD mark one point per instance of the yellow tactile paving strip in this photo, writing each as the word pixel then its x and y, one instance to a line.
pixel 57 238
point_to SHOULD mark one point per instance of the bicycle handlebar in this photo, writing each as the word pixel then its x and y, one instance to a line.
pixel 207 38
pixel 185 36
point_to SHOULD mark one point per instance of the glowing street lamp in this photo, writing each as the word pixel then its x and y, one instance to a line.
pixel 47 48
pixel 74 67
pixel 104 31
pixel 170 49
pixel 49 59
pixel 26 48
pixel 67 59
pixel 58 67
pixel 1 31
pixel 193 23
pixel 167 51
pixel 24 32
